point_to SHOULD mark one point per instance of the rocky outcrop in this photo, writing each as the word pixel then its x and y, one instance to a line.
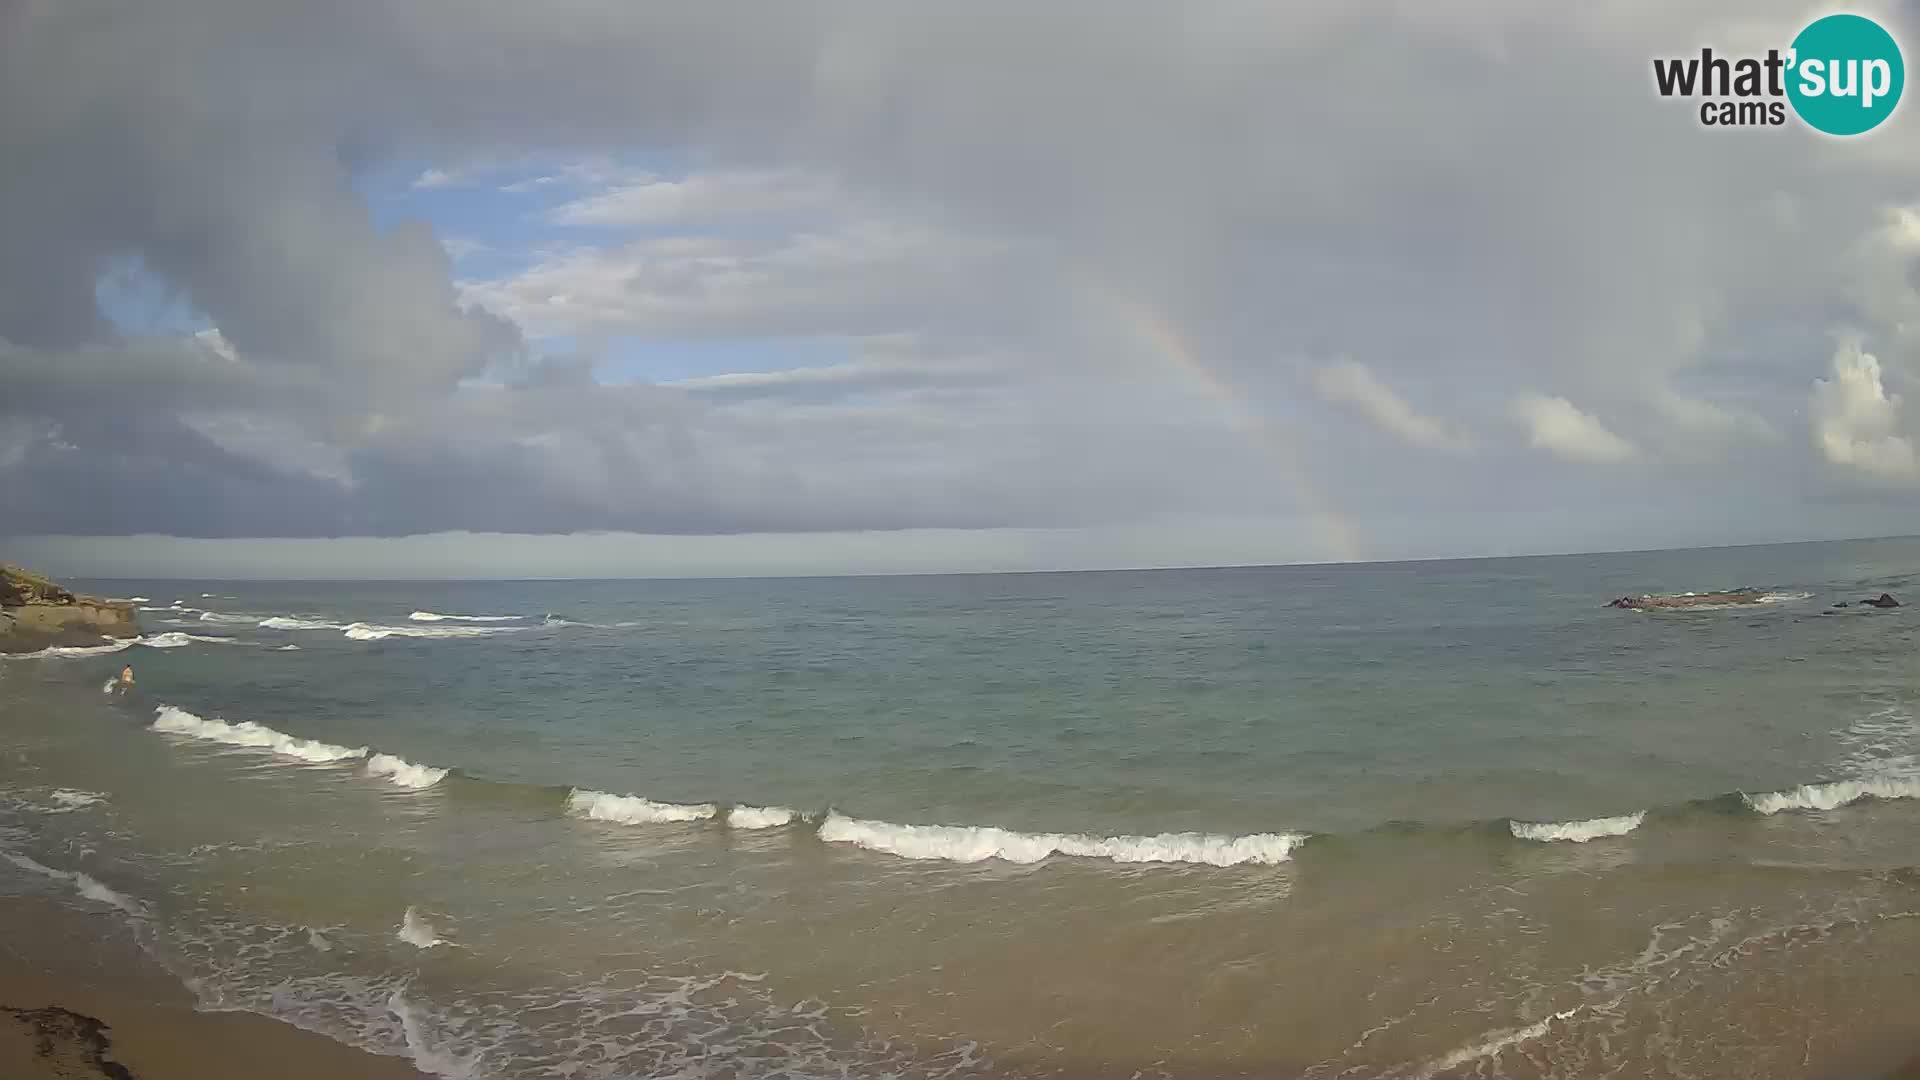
pixel 1882 601
pixel 1687 600
pixel 35 612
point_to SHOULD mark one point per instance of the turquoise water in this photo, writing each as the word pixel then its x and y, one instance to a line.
pixel 1408 819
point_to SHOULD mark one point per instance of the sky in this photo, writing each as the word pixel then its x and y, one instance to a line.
pixel 604 289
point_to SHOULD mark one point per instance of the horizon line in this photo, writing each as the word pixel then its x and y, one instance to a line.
pixel 1300 565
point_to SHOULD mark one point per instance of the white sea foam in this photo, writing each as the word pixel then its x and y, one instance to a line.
pixel 967 844
pixel 317 941
pixel 223 617
pixel 633 810
pixel 434 616
pixel 92 889
pixel 294 622
pixel 404 773
pixel 288 648
pixel 1578 832
pixel 1493 1045
pixel 70 799
pixel 758 817
pixel 428 1051
pixel 175 639
pixel 181 722
pixel 67 652
pixel 1836 793
pixel 375 632
pixel 169 607
pixel 137 600
pixel 555 620
pixel 84 884
pixel 416 931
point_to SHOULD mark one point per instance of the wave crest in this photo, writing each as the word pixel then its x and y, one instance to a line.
pixel 294 622
pixel 968 844
pixel 67 652
pixel 404 773
pixel 1835 794
pixel 434 616
pixel 375 632
pixel 1577 832
pixel 178 721
pixel 758 817
pixel 632 809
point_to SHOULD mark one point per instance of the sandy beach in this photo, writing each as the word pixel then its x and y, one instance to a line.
pixel 79 999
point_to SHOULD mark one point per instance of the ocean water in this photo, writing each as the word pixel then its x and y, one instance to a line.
pixel 1431 819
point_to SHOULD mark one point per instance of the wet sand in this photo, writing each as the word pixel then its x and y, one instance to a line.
pixel 78 999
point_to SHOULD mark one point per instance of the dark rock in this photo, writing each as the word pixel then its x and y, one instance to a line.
pixel 36 613
pixel 1882 601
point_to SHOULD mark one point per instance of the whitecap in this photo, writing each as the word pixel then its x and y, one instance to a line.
pixel 87 886
pixel 758 817
pixel 1577 832
pixel 223 617
pixel 416 931
pixel 177 721
pixel 1835 794
pixel 434 616
pixel 64 652
pixel 295 622
pixel 375 632
pixel 633 810
pixel 968 844
pixel 404 773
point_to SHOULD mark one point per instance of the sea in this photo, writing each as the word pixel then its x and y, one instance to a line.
pixel 1401 820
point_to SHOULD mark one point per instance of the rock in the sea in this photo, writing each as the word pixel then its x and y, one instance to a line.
pixel 35 613
pixel 1884 600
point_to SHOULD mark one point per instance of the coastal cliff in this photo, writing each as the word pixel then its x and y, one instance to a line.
pixel 35 612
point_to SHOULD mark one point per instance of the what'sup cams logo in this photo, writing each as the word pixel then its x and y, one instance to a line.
pixel 1842 75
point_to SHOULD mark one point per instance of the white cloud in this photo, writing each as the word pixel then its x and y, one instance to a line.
pixel 1855 419
pixel 1354 384
pixel 212 340
pixel 702 197
pixel 434 179
pixel 1560 428
pixel 866 276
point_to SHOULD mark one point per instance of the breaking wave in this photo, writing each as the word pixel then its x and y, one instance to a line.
pixel 294 622
pixel 758 817
pixel 404 773
pixel 177 721
pixel 1577 832
pixel 633 810
pixel 416 931
pixel 1835 793
pixel 434 616
pixel 87 886
pixel 374 632
pixel 175 639
pixel 56 652
pixel 967 844
pixel 223 617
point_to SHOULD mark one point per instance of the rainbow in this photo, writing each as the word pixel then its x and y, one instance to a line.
pixel 1336 533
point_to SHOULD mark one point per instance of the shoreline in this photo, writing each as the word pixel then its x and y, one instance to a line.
pixel 78 999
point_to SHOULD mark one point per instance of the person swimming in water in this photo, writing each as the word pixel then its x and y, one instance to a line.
pixel 126 678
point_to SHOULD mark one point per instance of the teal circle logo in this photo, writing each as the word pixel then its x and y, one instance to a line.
pixel 1845 75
